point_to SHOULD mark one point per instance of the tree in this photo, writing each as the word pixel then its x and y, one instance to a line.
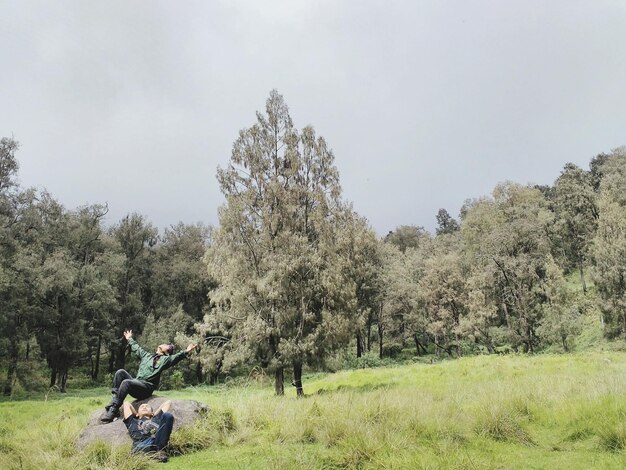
pixel 609 244
pixel 9 167
pixel 443 296
pixel 361 250
pixel 446 223
pixel 283 299
pixel 506 242
pixel 595 168
pixel 19 223
pixel 134 239
pixel 480 324
pixel 179 272
pixel 407 236
pixel 60 325
pixel 401 315
pixel 576 216
pixel 60 334
pixel 99 268
pixel 562 313
pixel 180 281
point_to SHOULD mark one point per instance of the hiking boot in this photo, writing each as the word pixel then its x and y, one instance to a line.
pixel 112 413
pixel 113 400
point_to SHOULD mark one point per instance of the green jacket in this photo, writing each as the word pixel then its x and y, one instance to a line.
pixel 147 371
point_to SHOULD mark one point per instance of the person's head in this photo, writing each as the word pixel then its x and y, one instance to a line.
pixel 145 411
pixel 166 349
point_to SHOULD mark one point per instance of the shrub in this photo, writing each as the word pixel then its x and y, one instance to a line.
pixel 503 425
pixel 613 438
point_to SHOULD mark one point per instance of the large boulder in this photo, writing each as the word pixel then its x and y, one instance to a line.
pixel 185 413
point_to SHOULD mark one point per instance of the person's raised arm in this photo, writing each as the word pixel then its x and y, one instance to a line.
pixel 164 408
pixel 134 346
pixel 176 358
pixel 129 410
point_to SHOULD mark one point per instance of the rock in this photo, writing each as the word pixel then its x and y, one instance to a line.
pixel 185 413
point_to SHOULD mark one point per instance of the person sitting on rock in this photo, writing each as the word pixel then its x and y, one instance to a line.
pixel 148 375
pixel 149 430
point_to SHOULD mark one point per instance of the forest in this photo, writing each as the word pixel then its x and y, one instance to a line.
pixel 292 279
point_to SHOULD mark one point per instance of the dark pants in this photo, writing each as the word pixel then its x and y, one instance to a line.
pixel 124 384
pixel 160 439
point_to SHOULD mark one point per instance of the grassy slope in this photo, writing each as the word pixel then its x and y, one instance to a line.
pixel 517 412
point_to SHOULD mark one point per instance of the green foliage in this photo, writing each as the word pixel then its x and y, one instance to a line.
pixel 575 206
pixel 133 239
pixel 507 241
pixel 609 246
pixel 407 236
pixel 562 312
pixel 179 276
pixel 297 276
pixel 446 223
pixel 366 361
pixel 177 380
pixel 283 297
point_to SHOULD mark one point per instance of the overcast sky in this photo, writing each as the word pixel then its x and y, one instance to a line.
pixel 425 103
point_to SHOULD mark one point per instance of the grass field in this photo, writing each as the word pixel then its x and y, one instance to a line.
pixel 486 412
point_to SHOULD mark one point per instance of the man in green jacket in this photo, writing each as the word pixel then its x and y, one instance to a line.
pixel 148 375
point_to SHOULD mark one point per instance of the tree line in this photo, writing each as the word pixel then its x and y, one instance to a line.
pixel 69 286
pixel 292 274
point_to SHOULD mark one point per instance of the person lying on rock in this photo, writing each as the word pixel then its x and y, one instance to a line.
pixel 149 430
pixel 148 375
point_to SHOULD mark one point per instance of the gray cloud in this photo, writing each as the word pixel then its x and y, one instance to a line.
pixel 424 103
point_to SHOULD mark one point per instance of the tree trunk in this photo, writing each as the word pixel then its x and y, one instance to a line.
pixel 381 329
pixel 369 336
pixel 111 358
pixel 582 276
pixel 62 380
pixel 214 375
pixel 53 377
pixel 420 345
pixel 297 379
pixel 199 373
pixel 120 356
pixel 359 344
pixel 505 309
pixel 529 335
pixel 424 342
pixel 96 369
pixel 417 344
pixel 490 347
pixel 279 381
pixel 12 369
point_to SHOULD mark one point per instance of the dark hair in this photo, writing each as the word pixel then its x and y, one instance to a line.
pixel 170 349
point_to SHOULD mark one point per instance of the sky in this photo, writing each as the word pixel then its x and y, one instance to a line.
pixel 424 103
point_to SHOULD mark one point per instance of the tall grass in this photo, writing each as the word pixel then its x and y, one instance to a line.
pixel 565 411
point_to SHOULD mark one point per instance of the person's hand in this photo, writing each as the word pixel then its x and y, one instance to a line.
pixel 128 334
pixel 191 347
